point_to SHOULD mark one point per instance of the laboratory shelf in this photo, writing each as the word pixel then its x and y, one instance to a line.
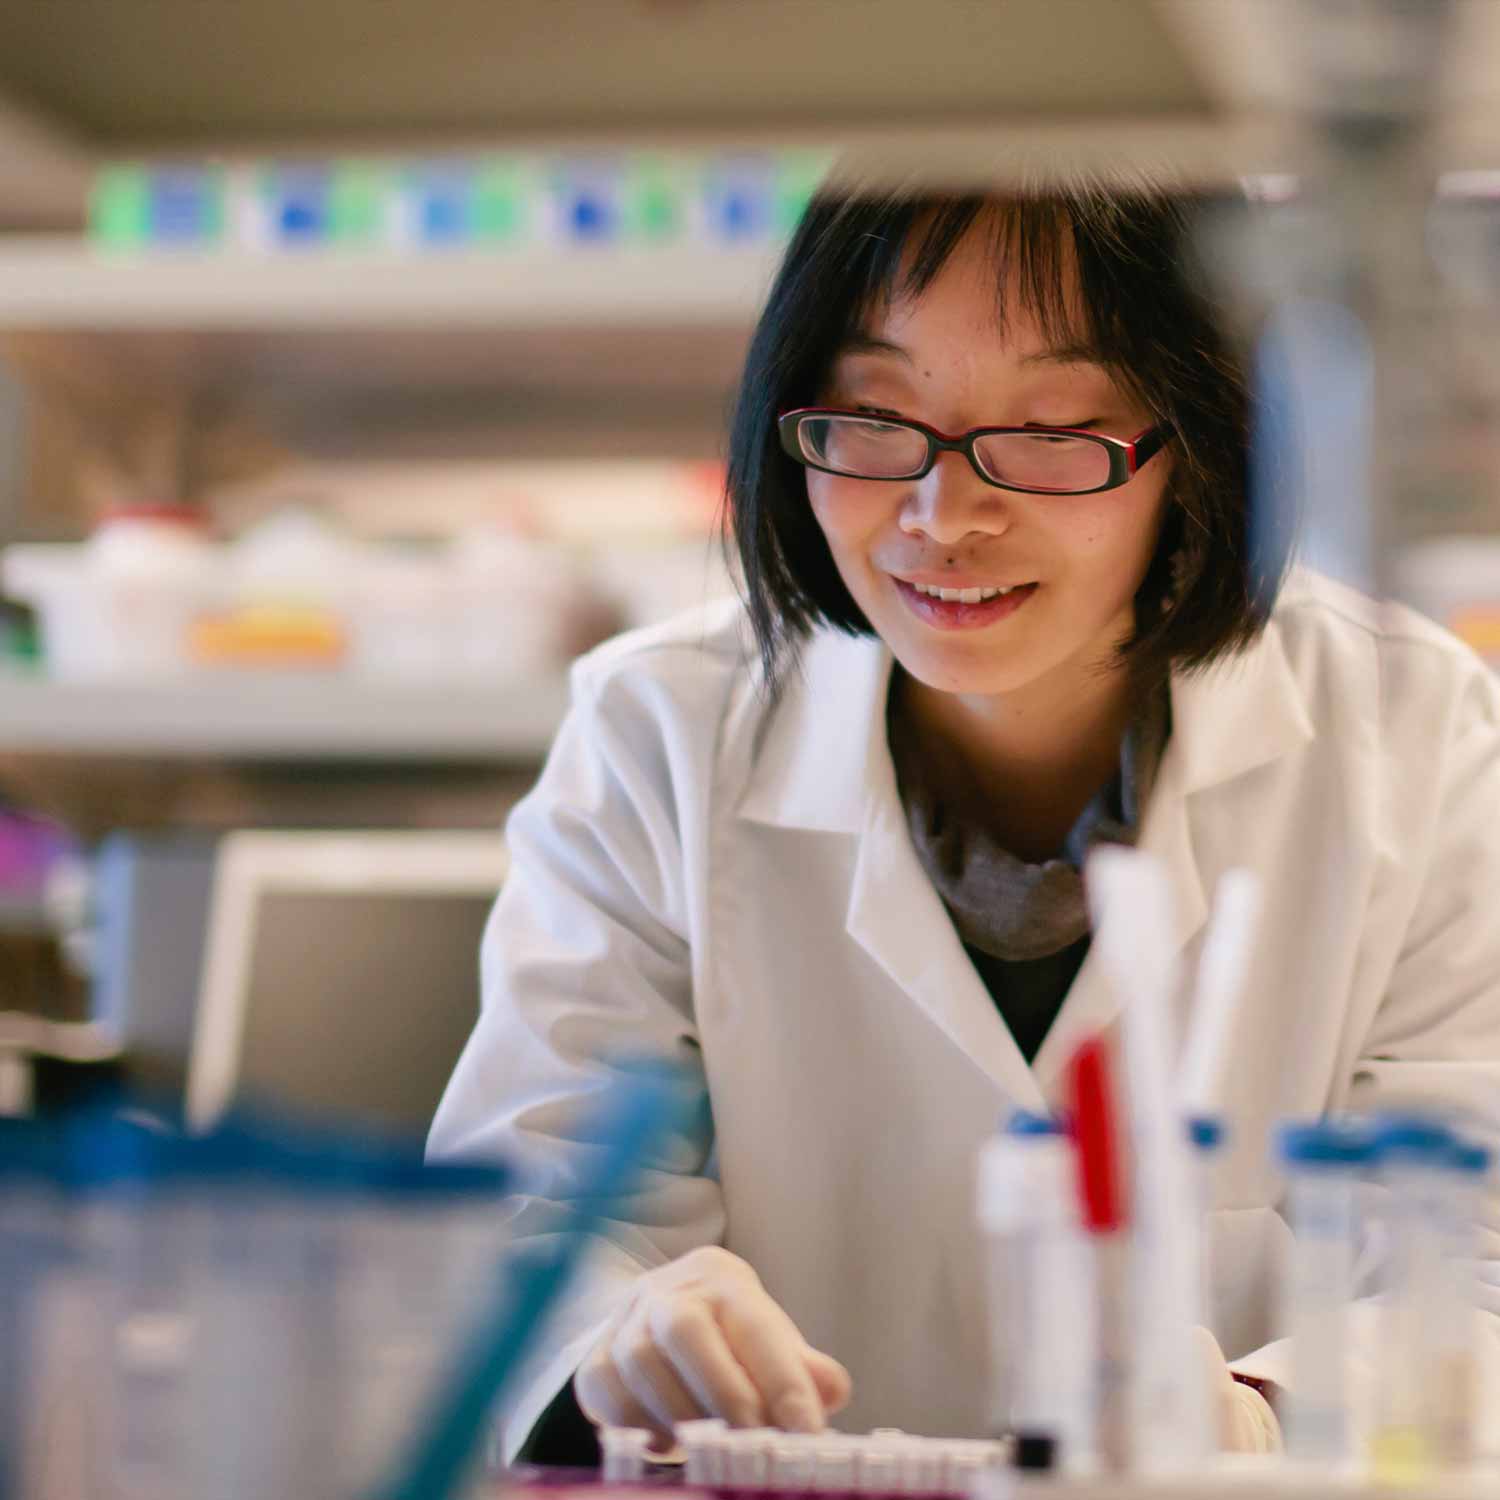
pixel 63 282
pixel 282 718
pixel 503 353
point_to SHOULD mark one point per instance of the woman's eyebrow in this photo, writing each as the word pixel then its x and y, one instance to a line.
pixel 864 343
pixel 1065 354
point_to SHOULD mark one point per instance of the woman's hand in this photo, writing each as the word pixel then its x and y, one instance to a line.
pixel 1245 1421
pixel 702 1337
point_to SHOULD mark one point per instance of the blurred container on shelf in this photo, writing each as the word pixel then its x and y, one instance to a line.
pixel 151 597
pixel 285 587
pixel 521 606
pixel 1455 580
pixel 31 851
pixel 121 603
pixel 488 605
pixel 292 207
pixel 182 205
pixel 740 199
pixel 486 201
pixel 652 582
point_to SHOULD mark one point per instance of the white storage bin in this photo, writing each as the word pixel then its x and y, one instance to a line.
pixel 522 608
pixel 293 559
pixel 401 615
pixel 123 603
pixel 651 583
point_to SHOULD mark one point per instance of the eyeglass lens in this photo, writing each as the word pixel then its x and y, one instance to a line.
pixel 865 447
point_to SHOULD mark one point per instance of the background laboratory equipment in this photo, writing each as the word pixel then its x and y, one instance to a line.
pixel 259 1311
pixel 346 415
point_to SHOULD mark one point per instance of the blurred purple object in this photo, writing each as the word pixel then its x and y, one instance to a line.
pixel 29 848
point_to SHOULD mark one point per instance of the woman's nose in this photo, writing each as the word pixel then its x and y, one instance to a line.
pixel 951 501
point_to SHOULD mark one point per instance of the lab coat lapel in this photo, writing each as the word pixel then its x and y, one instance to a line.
pixel 824 764
pixel 898 918
pixel 1226 722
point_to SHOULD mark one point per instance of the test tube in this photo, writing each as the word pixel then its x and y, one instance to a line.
pixel 623 1450
pixel 1453 1351
pixel 833 1467
pixel 1042 1331
pixel 879 1467
pixel 919 1467
pixel 701 1443
pixel 1206 1137
pixel 968 1458
pixel 1322 1162
pixel 1409 1153
pixel 749 1457
pixel 792 1464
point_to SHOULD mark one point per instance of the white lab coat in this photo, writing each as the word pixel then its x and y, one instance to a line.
pixel 699 874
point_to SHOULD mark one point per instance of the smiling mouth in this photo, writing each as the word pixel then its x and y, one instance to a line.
pixel 964 609
pixel 966 596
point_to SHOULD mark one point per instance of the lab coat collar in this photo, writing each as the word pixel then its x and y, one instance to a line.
pixel 824 753
pixel 824 765
pixel 825 745
pixel 1240 714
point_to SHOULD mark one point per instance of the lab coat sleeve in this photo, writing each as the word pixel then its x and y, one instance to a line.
pixel 586 959
pixel 1434 1043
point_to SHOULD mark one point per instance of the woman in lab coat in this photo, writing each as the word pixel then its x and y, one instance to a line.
pixel 825 848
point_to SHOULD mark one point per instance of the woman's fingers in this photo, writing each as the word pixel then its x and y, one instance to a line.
pixel 604 1398
pixel 766 1342
pixel 653 1383
pixel 701 1336
pixel 831 1379
pixel 687 1332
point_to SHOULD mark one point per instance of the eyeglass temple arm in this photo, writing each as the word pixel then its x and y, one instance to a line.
pixel 1149 444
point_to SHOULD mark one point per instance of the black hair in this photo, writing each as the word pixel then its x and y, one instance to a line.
pixel 1118 260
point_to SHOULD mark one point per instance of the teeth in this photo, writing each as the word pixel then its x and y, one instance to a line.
pixel 962 596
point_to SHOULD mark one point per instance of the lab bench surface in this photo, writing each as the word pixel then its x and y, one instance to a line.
pixel 1252 1480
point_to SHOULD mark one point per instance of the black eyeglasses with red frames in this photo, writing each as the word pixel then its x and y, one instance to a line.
pixel 1034 460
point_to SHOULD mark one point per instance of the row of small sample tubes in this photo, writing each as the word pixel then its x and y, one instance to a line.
pixel 764 1458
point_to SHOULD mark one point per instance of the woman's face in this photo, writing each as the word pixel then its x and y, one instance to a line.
pixel 1074 562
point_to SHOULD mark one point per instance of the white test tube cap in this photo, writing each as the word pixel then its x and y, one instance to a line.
pixel 919 1467
pixel 624 1452
pixel 964 1464
pixel 748 1457
pixel 877 1466
pixel 792 1463
pixel 702 1443
pixel 833 1467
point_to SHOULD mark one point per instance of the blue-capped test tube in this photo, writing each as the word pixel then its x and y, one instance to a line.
pixel 1323 1162
pixel 1453 1353
pixel 1410 1155
pixel 1206 1136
